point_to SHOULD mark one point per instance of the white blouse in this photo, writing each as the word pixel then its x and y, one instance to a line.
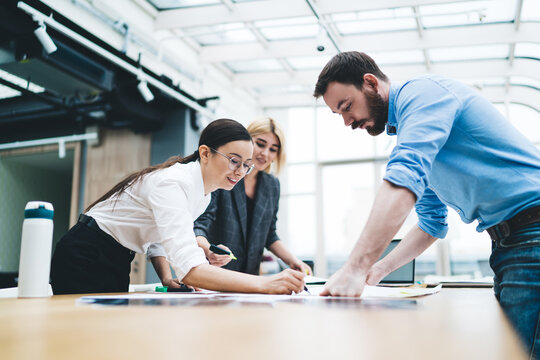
pixel 160 208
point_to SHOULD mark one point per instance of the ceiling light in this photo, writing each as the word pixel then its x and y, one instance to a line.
pixel 45 39
pixel 145 91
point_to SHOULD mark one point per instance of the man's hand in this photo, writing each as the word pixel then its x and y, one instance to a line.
pixel 345 282
pixel 377 273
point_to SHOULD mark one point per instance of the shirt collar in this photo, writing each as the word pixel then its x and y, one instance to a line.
pixel 195 168
pixel 391 125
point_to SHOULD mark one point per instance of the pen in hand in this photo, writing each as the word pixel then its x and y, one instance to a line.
pixel 220 251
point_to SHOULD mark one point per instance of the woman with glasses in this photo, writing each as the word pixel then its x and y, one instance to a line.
pixel 243 220
pixel 158 205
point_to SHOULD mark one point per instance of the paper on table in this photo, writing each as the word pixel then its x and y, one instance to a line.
pixel 385 292
pixel 459 281
pixel 397 292
pixel 369 292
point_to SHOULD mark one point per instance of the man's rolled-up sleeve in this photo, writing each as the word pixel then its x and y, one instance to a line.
pixel 432 214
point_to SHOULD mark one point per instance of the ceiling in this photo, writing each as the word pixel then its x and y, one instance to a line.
pixel 272 49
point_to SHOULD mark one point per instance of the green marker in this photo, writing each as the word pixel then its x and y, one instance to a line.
pixel 220 251
pixel 182 288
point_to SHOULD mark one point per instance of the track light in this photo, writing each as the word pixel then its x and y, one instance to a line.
pixel 145 91
pixel 45 39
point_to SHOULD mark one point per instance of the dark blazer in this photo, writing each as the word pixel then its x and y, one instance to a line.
pixel 225 222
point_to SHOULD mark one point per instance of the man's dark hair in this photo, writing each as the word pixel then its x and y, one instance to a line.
pixel 347 68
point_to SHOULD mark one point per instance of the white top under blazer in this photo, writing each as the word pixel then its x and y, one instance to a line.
pixel 159 208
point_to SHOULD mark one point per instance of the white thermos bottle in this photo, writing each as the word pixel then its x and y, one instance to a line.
pixel 36 247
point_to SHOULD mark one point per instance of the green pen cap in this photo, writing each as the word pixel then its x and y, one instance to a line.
pixel 161 289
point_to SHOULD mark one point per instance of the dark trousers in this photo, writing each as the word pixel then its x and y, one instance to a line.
pixel 88 260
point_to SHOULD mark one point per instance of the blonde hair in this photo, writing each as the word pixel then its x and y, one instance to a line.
pixel 268 125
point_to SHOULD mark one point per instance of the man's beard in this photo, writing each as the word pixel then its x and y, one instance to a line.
pixel 378 112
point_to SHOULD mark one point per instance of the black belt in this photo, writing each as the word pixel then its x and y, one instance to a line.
pixel 521 219
pixel 88 221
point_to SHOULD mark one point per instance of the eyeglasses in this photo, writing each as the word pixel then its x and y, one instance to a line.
pixel 235 163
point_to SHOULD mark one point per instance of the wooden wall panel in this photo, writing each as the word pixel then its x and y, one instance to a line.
pixel 120 153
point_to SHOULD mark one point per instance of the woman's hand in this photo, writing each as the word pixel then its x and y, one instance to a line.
pixel 171 283
pixel 285 282
pixel 301 266
pixel 216 259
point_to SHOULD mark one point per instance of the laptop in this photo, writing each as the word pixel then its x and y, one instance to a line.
pixel 403 275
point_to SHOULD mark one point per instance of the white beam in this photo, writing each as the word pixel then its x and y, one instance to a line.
pixel 488 34
pixel 516 94
pixel 342 6
pixel 463 70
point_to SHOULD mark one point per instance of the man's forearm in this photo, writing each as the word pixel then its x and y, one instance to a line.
pixel 391 207
pixel 412 245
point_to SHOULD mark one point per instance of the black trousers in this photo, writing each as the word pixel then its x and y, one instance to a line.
pixel 88 260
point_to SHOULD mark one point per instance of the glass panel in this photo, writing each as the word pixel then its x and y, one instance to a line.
pixel 526 120
pixel 398 57
pixel 384 144
pixel 285 22
pixel 469 53
pixel 530 10
pixel 527 50
pixel 290 28
pixel 480 82
pixel 301 233
pixel 526 81
pixel 178 4
pixel 372 26
pixel 290 32
pixel 468 13
pixel 300 179
pixel 254 66
pixel 375 21
pixel 385 14
pixel 347 198
pixel 300 134
pixel 338 142
pixel 467 246
pixel 308 62
pixel 220 34
pixel 267 90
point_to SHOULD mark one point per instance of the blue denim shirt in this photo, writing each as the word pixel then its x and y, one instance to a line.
pixel 455 149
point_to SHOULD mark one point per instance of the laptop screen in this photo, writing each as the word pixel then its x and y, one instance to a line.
pixel 404 274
